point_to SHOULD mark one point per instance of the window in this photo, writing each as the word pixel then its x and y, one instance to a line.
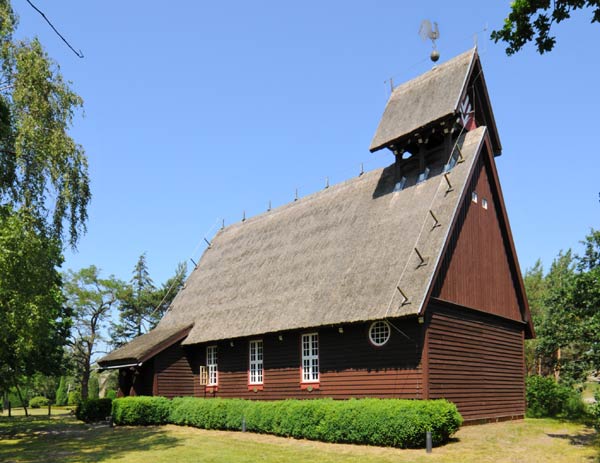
pixel 256 362
pixel 211 365
pixel 379 333
pixel 474 197
pixel 310 357
pixel 423 175
pixel 400 185
pixel 484 203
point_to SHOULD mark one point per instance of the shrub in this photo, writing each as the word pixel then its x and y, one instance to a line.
pixel 547 398
pixel 594 411
pixel 39 401
pixel 74 398
pixel 61 392
pixel 111 394
pixel 93 410
pixel 389 422
pixel 574 407
pixel 141 410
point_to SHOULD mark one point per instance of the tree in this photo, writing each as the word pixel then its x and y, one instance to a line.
pixel 44 194
pixel 61 392
pixel 536 288
pixel 569 328
pixel 533 19
pixel 163 296
pixel 32 314
pixel 92 300
pixel 142 304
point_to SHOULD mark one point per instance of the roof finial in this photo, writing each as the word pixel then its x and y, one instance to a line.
pixel 427 31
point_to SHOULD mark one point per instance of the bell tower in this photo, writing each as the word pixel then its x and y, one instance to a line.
pixel 425 118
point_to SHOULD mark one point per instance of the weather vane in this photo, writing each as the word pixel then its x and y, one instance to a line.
pixel 427 31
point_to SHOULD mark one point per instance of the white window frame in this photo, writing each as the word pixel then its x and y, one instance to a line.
pixel 373 329
pixel 212 366
pixel 309 346
pixel 256 370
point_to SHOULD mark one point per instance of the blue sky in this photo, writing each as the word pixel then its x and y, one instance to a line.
pixel 198 111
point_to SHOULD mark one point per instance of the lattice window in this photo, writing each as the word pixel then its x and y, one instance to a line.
pixel 211 365
pixel 310 357
pixel 379 333
pixel 256 362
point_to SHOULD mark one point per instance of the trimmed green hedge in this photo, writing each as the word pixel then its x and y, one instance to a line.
pixel 141 410
pixel 93 410
pixel 381 422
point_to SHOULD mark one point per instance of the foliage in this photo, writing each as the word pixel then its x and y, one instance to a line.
pixel 43 172
pixel 32 312
pixel 546 398
pixel 111 394
pixel 594 411
pixel 61 392
pixel 38 402
pixel 44 195
pixel 532 20
pixel 91 298
pixel 141 410
pixel 93 410
pixel 74 398
pixel 142 304
pixel 388 422
pixel 566 314
pixel 93 387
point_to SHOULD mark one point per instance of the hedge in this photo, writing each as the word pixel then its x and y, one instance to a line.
pixel 381 422
pixel 93 410
pixel 141 410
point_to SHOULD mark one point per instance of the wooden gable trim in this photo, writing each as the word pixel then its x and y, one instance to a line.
pixel 505 231
pixel 166 344
pixel 478 81
pixel 157 349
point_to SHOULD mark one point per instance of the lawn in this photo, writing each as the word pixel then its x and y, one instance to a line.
pixel 43 411
pixel 63 439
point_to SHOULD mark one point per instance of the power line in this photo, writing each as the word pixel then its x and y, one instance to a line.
pixel 78 53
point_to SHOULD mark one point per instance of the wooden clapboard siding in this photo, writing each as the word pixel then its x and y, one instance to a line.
pixel 478 269
pixel 174 376
pixel 476 361
pixel 350 366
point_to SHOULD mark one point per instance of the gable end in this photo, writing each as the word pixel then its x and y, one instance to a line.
pixel 479 269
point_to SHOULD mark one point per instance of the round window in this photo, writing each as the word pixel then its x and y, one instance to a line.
pixel 379 333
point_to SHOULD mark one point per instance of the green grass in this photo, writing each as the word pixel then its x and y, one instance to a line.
pixel 43 411
pixel 63 439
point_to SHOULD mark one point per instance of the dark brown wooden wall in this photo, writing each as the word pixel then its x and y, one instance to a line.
pixel 173 372
pixel 476 361
pixel 475 270
pixel 350 366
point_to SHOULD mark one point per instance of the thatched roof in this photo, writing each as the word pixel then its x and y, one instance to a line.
pixel 144 347
pixel 333 257
pixel 431 97
pixel 343 255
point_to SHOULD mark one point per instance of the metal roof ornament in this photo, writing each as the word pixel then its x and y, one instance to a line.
pixel 427 31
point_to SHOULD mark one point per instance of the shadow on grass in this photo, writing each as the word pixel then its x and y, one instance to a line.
pixel 67 440
pixel 582 439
